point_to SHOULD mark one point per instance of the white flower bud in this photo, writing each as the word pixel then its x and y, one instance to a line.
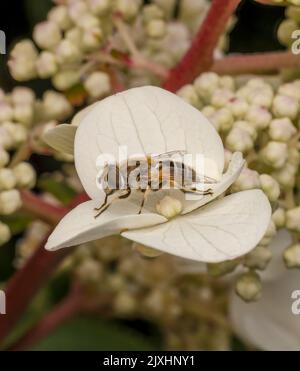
pixel 293 156
pixel 221 97
pixel 67 52
pixel 258 258
pixel 293 219
pixel 249 287
pixel 291 256
pixel 5 234
pixel 282 129
pixel 285 30
pixel 239 107
pixel 290 90
pixel 24 114
pixel 261 96
pixel 90 271
pixel 47 35
pixel 128 8
pixel 125 303
pixel 22 95
pixel 64 80
pixel 74 35
pixel 98 84
pixel 156 28
pixel 188 93
pixel 4 156
pixel 22 61
pixel 169 207
pixel 239 139
pixel 99 7
pixel 10 201
pixel 25 175
pixel 227 82
pixel 60 15
pixel 270 186
pixel 87 21
pixel 269 234
pixel 56 105
pixel 222 268
pixel 92 39
pixel 245 125
pixel 206 84
pixel 7 179
pixel 6 112
pixel 6 139
pixel 248 179
pixel 76 9
pixel 286 176
pixel 146 251
pixel 17 132
pixel 152 11
pixel 46 65
pixel 260 117
pixel 222 119
pixel 278 218
pixel 274 154
pixel 284 106
pixel 208 111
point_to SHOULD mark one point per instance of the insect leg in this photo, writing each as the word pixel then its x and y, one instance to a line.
pixel 145 194
pixel 106 205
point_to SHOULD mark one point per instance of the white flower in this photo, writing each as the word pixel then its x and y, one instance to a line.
pixel 270 324
pixel 150 120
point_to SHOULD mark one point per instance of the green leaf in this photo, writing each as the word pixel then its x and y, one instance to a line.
pixel 60 190
pixel 85 333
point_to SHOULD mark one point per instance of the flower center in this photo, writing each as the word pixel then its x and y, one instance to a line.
pixel 169 207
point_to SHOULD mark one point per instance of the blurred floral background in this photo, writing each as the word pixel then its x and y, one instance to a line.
pixel 112 294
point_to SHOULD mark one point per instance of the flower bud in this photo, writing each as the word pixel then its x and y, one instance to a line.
pixel 6 139
pixel 189 94
pixel 24 114
pixel 76 9
pixel 89 271
pixel 56 105
pixel 258 258
pixel 146 251
pixel 208 111
pixel 65 80
pixel 98 84
pixel 239 139
pixel 285 30
pixel 7 179
pixel 220 269
pixel 128 8
pixel 282 129
pixel 239 107
pixel 261 97
pixel 60 15
pixel 156 28
pixel 222 119
pixel 293 156
pixel 290 89
pixel 284 106
pixel 227 82
pixel 291 256
pixel 10 201
pixel 25 175
pixel 248 287
pixel 87 21
pixel 206 84
pixel 5 234
pixel 18 133
pixel 4 156
pixel 286 176
pixel 99 7
pixel 169 207
pixel 22 61
pixel 67 52
pixel 152 11
pixel 248 179
pixel 47 35
pixel 46 65
pixel 74 35
pixel 270 186
pixel 22 95
pixel 245 125
pixel 274 154
pixel 260 117
pixel 92 38
pixel 278 218
pixel 125 303
pixel 269 234
pixel 293 219
pixel 6 112
pixel 221 97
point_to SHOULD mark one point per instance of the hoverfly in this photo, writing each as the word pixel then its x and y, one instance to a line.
pixel 147 175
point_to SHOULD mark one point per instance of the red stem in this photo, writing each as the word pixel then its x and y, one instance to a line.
pixel 199 57
pixel 69 307
pixel 254 63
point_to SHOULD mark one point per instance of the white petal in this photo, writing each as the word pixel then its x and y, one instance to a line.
pixel 147 120
pixel 80 225
pixel 222 230
pixel 61 138
pixel 269 324
pixel 234 169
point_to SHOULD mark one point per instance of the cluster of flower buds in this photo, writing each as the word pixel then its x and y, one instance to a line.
pixel 290 24
pixel 20 114
pixel 85 43
pixel 262 121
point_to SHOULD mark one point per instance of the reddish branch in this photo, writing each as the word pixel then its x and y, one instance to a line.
pixel 255 63
pixel 199 57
